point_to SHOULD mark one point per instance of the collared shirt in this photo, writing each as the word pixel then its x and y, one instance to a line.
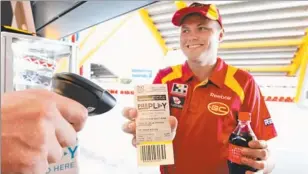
pixel 207 114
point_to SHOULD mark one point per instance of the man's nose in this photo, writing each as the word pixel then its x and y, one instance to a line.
pixel 192 35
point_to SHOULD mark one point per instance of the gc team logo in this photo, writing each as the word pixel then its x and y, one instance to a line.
pixel 218 108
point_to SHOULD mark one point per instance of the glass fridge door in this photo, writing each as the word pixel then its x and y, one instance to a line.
pixel 35 60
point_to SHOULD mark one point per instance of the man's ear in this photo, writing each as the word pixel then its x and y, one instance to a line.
pixel 221 35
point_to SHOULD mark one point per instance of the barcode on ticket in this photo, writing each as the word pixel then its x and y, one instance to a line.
pixel 152 154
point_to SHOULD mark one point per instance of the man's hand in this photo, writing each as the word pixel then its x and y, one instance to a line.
pixel 257 157
pixel 36 125
pixel 130 126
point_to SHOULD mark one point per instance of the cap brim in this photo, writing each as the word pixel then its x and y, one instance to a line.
pixel 180 14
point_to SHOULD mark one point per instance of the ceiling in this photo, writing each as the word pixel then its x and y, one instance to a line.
pixel 262 37
pixel 57 19
pixel 265 38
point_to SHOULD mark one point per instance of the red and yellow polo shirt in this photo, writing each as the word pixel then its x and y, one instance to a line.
pixel 207 115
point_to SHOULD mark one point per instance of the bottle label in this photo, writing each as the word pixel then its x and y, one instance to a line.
pixel 234 154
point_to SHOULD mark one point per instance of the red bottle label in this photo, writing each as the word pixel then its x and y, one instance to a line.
pixel 234 154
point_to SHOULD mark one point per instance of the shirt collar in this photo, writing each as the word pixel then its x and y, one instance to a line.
pixel 217 77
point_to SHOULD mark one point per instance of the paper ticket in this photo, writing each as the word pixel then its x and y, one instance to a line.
pixel 153 131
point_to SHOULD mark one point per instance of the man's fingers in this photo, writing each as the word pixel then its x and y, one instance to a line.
pixel 129 113
pixel 72 111
pixel 260 165
pixel 130 127
pixel 55 151
pixel 65 132
pixel 258 144
pixel 258 172
pixel 255 153
pixel 173 123
pixel 40 166
pixel 134 142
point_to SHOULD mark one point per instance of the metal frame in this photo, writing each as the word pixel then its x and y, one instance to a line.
pixel 259 44
pixel 73 60
pixel 153 29
pixel 303 79
pixel 148 21
pixel 303 73
pixel 264 44
pixel 299 55
pixel 35 37
pixel 2 65
pixel 7 72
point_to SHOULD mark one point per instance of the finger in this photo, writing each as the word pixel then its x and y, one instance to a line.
pixel 260 165
pixel 65 133
pixel 257 144
pixel 41 166
pixel 258 172
pixel 37 165
pixel 55 150
pixel 130 127
pixel 134 141
pixel 72 111
pixel 129 113
pixel 173 123
pixel 255 153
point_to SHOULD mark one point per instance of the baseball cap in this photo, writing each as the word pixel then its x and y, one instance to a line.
pixel 208 10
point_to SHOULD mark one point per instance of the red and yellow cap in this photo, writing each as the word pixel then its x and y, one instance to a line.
pixel 208 10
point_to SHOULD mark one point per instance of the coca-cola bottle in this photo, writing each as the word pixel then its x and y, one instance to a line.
pixel 239 138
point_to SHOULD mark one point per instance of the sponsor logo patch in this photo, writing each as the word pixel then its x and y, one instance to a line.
pixel 218 108
pixel 177 102
pixel 268 121
pixel 180 89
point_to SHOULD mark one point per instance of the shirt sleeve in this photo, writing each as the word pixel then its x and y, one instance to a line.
pixel 261 121
pixel 158 78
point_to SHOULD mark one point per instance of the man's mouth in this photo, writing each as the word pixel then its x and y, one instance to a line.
pixel 194 45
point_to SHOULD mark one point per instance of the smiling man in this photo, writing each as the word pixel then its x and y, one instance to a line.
pixel 206 95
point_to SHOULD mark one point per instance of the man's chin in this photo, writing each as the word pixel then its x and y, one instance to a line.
pixel 195 60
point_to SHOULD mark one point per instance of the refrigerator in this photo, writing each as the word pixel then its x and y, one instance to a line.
pixel 30 62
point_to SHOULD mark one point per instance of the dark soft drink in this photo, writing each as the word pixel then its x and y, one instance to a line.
pixel 239 138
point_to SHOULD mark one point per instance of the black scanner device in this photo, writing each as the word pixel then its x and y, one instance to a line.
pixel 90 95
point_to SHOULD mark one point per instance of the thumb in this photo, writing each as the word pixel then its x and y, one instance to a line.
pixel 258 172
pixel 173 123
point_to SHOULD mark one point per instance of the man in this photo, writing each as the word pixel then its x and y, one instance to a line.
pixel 211 93
pixel 35 126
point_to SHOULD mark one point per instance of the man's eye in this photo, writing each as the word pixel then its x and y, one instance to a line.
pixel 184 31
pixel 203 28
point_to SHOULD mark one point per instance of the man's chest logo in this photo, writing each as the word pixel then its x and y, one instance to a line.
pixel 218 108
pixel 180 89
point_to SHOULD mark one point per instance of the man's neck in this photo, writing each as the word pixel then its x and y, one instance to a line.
pixel 202 71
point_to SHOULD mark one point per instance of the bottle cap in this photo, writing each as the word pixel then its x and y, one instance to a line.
pixel 244 116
